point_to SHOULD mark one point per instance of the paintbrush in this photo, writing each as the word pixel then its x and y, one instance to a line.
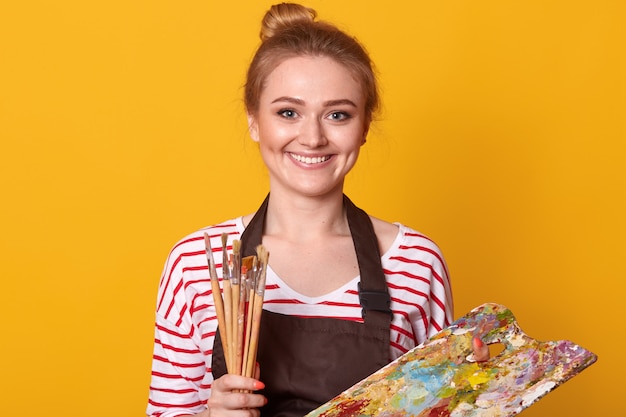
pixel 237 310
pixel 249 263
pixel 228 312
pixel 241 319
pixel 257 309
pixel 217 294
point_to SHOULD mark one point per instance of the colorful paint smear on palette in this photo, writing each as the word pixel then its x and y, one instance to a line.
pixel 436 379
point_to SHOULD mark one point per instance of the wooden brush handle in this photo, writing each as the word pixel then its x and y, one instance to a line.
pixel 241 312
pixel 219 309
pixel 233 328
pixel 228 312
pixel 254 334
pixel 248 332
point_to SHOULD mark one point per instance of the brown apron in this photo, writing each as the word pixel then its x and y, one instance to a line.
pixel 307 361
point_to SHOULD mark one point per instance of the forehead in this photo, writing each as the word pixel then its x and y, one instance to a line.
pixel 312 77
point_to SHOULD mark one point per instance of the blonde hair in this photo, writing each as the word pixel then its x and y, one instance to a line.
pixel 289 30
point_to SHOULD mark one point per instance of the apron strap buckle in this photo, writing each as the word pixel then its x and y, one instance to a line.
pixel 374 300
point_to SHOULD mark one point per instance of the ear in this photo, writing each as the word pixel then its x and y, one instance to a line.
pixel 253 127
pixel 366 130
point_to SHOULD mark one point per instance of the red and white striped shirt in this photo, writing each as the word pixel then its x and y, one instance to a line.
pixel 186 322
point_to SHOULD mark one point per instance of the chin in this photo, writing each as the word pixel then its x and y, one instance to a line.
pixel 318 191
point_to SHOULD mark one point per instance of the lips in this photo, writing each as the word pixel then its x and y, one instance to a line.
pixel 311 160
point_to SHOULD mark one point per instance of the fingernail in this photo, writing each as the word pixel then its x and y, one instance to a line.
pixel 258 385
pixel 478 343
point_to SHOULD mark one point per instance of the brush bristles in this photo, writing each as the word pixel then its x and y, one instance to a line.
pixel 225 268
pixel 236 246
pixel 209 256
pixel 263 255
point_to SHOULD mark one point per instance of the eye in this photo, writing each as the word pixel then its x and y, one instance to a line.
pixel 338 116
pixel 287 113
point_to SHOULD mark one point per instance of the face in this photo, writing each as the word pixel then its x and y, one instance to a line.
pixel 310 125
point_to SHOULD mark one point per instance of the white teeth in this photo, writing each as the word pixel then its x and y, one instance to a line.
pixel 309 160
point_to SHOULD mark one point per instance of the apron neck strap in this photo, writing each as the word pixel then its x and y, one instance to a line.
pixel 253 235
pixel 373 292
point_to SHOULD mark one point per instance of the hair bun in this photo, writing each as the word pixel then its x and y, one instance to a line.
pixel 284 15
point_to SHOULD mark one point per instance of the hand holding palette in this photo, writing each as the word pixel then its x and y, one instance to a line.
pixel 436 379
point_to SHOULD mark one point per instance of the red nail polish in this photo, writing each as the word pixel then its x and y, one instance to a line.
pixel 478 343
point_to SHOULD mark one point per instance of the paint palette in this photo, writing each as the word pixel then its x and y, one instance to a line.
pixel 436 379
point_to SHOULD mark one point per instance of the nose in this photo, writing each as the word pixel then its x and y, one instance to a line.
pixel 312 133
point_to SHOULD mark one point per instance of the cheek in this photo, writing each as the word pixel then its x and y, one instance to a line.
pixel 352 138
pixel 275 135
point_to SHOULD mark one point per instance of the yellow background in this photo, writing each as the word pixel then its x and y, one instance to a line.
pixel 502 137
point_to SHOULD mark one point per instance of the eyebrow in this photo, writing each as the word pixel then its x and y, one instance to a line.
pixel 338 102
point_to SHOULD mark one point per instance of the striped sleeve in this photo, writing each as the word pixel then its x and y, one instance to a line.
pixel 178 368
pixel 178 365
pixel 419 286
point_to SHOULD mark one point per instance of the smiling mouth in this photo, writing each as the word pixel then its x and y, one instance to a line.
pixel 310 160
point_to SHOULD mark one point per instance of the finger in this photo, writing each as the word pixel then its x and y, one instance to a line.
pixel 480 350
pixel 230 382
pixel 244 403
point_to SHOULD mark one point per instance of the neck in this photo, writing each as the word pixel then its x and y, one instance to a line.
pixel 303 218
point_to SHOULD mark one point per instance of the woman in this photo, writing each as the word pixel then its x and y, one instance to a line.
pixel 346 293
